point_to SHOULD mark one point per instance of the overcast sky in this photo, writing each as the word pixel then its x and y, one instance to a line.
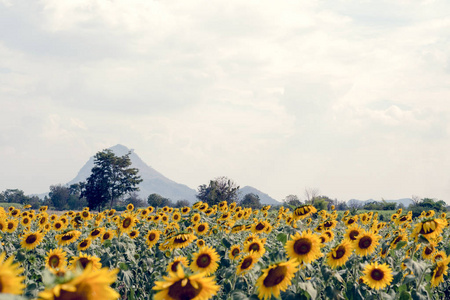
pixel 349 97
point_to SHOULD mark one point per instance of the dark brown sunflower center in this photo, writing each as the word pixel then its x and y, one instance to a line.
pixel 428 250
pixel 151 237
pixel 365 242
pixel 353 234
pixel 53 261
pixel 235 252
pixel 31 239
pixel 106 236
pixel 302 246
pixel 67 237
pixel 438 257
pixel 340 252
pixel 95 232
pixel 179 240
pixel 275 276
pixel 246 263
pixel 58 225
pixel 83 244
pixel 351 221
pixel 178 291
pixel 174 266
pixel 430 229
pixel 377 274
pixel 203 260
pixel 77 295
pixel 26 221
pixel 254 247
pixel 126 223
pixel 397 239
pixel 10 225
pixel 84 262
pixel 439 271
pixel 201 228
pixel 133 233
pixel 328 224
pixel 259 227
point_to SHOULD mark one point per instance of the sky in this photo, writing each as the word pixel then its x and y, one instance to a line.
pixel 351 98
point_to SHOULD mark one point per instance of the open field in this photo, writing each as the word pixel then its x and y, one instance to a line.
pixel 225 252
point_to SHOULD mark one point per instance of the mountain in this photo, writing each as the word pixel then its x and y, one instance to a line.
pixel 264 198
pixel 153 181
pixel 405 201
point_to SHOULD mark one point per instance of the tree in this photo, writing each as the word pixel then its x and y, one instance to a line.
pixel 111 178
pixel 59 195
pixel 426 204
pixel 157 200
pixel 181 203
pixel 251 200
pixel 292 200
pixel 14 196
pixel 134 199
pixel 310 194
pixel 218 190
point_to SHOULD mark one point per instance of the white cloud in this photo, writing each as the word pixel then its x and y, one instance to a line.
pixel 344 96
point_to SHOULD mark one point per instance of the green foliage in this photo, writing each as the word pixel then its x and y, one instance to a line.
pixel 157 200
pixel 426 204
pixel 110 179
pixel 380 205
pixel 218 190
pixel 251 200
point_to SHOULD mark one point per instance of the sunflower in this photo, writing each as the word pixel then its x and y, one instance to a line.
pixel 201 228
pixel 89 285
pixel 205 260
pixel 56 259
pixel 200 243
pixel 107 235
pixel 179 285
pixel 31 240
pixel 259 227
pixel 133 234
pixel 181 240
pixel 185 210
pixel 234 252
pixel 339 255
pixel 130 207
pixel 401 237
pixel 152 237
pixel 177 262
pixel 176 217
pixel 25 221
pixel 256 246
pixel 246 263
pixel 84 244
pixel 195 218
pixel 366 243
pixel 304 247
pixel 350 221
pixel 127 223
pixel 68 237
pixel 11 225
pixel 440 269
pixel 377 276
pixel 429 228
pixel 303 212
pixel 276 278
pixel 96 232
pixel 353 232
pixel 83 260
pixel 2 224
pixel 10 279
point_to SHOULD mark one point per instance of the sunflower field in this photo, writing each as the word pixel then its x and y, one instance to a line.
pixel 222 252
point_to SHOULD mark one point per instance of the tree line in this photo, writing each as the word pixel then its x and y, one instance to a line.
pixel 114 183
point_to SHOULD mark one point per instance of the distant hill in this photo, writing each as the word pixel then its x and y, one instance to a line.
pixel 264 198
pixel 153 181
pixel 405 201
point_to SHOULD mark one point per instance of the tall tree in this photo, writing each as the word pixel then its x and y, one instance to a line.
pixel 111 178
pixel 157 200
pixel 218 190
pixel 59 195
pixel 251 200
